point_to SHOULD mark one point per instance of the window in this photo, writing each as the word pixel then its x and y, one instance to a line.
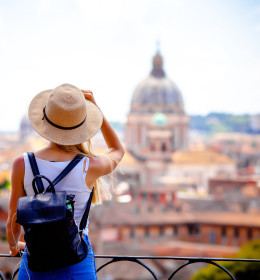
pixel 193 229
pixel 175 230
pixel 150 209
pixel 161 232
pixel 212 237
pixel 164 208
pixel 236 233
pixel 249 234
pixel 155 197
pixel 132 233
pixel 163 147
pixel 190 229
pixel 135 210
pixel 147 232
pixel 223 232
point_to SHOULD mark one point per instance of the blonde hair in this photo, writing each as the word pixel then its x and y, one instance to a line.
pixel 101 185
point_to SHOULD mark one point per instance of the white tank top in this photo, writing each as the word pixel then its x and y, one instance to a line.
pixel 73 183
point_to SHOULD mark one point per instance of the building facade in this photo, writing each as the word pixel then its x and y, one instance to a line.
pixel 157 124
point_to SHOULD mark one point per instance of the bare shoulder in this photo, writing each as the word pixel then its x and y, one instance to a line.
pixel 18 163
pixel 18 168
pixel 17 179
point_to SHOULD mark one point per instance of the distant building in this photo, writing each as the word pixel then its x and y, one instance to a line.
pixel 157 124
pixel 255 123
pixel 165 231
pixel 25 127
pixel 243 148
pixel 156 127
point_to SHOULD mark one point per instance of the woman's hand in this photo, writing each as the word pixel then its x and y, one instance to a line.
pixel 14 250
pixel 89 95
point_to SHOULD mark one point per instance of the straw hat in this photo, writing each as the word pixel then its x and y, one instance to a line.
pixel 63 115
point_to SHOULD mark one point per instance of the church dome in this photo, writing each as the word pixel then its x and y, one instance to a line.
pixel 25 127
pixel 157 92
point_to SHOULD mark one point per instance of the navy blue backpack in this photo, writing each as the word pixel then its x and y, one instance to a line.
pixel 53 240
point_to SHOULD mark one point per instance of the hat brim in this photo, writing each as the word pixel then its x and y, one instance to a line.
pixel 75 136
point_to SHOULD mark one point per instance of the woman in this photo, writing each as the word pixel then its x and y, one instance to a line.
pixel 68 118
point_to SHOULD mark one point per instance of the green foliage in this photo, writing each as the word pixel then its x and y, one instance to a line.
pixel 5 184
pixel 240 270
pixel 221 122
pixel 4 239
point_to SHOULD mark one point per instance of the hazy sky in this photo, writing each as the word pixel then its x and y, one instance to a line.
pixel 211 51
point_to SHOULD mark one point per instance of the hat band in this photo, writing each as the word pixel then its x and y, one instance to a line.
pixel 58 126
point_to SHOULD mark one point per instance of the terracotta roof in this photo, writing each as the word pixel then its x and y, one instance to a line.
pixel 128 159
pixel 146 213
pixel 183 248
pixel 226 218
pixel 205 157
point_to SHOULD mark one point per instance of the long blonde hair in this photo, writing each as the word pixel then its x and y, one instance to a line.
pixel 101 185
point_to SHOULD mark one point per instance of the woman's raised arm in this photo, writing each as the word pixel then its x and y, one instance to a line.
pixel 102 166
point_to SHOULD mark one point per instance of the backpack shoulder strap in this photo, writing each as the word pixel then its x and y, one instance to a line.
pixel 66 171
pixel 84 218
pixel 35 171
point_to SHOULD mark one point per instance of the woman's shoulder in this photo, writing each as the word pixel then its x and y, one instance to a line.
pixel 18 164
pixel 19 160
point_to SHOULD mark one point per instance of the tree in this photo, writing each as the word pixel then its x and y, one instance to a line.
pixel 5 184
pixel 240 270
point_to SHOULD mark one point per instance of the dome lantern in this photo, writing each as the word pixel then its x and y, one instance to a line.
pixel 158 71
